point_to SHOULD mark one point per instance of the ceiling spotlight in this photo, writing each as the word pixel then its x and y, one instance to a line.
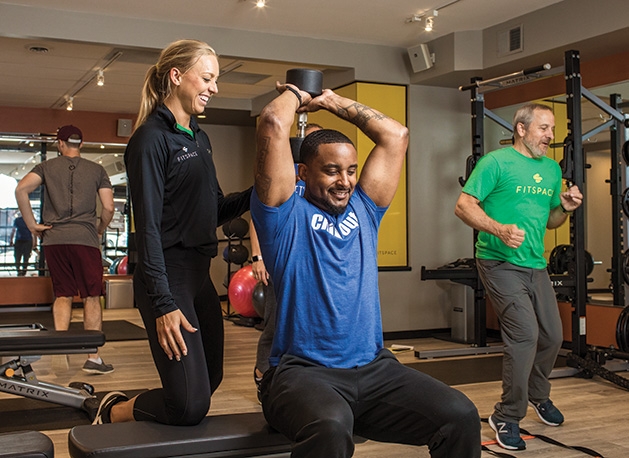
pixel 260 3
pixel 70 103
pixel 100 78
pixel 429 24
pixel 428 17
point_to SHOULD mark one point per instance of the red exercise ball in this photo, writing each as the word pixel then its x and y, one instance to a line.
pixel 122 266
pixel 240 292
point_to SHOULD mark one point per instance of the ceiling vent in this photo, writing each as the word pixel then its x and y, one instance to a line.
pixel 510 41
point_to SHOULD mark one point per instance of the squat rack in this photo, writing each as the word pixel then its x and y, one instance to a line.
pixel 574 284
pixel 469 276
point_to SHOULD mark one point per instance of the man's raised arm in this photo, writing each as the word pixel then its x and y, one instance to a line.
pixel 274 169
pixel 381 172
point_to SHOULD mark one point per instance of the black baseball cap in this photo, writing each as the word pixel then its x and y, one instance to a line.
pixel 64 133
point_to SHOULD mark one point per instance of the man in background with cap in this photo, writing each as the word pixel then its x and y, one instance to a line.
pixel 70 231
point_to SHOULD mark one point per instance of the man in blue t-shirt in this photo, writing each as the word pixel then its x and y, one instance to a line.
pixel 22 241
pixel 260 273
pixel 512 196
pixel 331 378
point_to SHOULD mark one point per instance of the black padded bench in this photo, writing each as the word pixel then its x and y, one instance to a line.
pixel 26 344
pixel 34 339
pixel 236 435
pixel 26 444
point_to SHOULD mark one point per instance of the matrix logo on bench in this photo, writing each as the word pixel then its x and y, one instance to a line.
pixel 9 386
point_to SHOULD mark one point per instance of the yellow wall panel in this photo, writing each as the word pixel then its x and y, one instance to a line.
pixel 392 240
pixel 391 101
pixel 561 235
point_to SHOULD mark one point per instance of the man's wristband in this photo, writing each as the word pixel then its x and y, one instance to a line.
pixel 256 258
pixel 296 94
pixel 563 209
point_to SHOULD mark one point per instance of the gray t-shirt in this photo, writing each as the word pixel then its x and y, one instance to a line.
pixel 71 187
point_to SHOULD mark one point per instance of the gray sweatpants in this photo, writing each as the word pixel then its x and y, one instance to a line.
pixel 531 330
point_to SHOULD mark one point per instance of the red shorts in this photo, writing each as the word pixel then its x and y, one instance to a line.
pixel 75 269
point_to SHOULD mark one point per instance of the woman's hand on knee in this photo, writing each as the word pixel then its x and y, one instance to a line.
pixel 169 334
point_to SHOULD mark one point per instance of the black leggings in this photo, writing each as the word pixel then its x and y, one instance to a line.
pixel 187 385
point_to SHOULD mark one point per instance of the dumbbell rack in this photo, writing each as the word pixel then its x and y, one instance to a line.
pixel 230 235
pixel 229 315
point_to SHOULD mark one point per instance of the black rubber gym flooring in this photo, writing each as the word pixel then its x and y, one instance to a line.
pixel 115 330
pixel 461 371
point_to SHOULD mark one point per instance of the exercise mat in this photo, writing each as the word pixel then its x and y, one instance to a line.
pixel 115 330
pixel 461 371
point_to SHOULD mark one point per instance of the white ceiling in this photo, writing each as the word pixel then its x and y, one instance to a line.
pixel 358 21
pixel 44 80
pixel 29 79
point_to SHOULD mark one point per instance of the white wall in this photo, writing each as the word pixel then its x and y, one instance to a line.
pixel 440 141
pixel 234 154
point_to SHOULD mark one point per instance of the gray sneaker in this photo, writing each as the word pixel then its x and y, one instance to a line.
pixel 94 368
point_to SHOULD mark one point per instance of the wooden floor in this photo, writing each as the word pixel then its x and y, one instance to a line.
pixel 597 412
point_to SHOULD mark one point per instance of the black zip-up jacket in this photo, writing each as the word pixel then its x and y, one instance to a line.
pixel 176 198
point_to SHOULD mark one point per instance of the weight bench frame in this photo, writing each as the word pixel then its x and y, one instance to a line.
pixel 27 344
pixel 236 435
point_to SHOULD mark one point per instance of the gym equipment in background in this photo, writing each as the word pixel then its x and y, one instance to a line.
pixel 122 268
pixel 30 342
pixel 235 253
pixel 258 298
pixel 240 292
pixel 583 359
pixel 236 228
pixel 467 274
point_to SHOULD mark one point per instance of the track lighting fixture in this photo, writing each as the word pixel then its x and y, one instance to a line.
pixel 429 16
pixel 429 19
pixel 429 24
pixel 97 75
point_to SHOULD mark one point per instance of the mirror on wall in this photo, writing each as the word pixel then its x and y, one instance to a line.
pixel 19 153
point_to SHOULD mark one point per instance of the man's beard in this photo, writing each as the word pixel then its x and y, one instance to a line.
pixel 535 151
pixel 335 210
pixel 327 206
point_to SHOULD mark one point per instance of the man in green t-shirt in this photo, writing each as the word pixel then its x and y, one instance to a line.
pixel 511 197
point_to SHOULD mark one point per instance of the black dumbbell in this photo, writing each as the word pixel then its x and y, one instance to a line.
pixel 306 79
